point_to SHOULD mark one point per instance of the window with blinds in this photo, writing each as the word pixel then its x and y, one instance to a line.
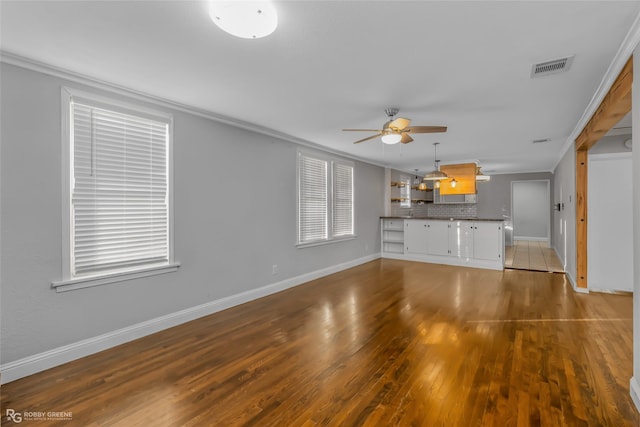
pixel 325 199
pixel 119 190
pixel 313 219
pixel 342 200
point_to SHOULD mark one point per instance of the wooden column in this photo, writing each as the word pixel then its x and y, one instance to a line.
pixel 615 105
pixel 582 186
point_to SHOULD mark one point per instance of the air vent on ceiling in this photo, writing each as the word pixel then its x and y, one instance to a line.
pixel 540 141
pixel 551 67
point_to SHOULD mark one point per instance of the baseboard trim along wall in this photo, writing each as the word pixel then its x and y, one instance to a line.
pixel 574 285
pixel 634 390
pixel 42 361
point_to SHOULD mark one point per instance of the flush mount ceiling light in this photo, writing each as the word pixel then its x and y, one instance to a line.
pixel 244 19
pixel 436 174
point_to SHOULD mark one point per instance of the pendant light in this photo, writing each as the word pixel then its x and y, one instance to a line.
pixel 453 183
pixel 436 174
pixel 420 184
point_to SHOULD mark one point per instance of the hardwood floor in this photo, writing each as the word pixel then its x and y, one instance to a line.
pixel 388 343
pixel 536 256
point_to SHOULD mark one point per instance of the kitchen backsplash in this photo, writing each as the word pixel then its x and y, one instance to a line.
pixel 456 211
pixel 436 210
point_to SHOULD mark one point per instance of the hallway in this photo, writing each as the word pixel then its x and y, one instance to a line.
pixel 532 255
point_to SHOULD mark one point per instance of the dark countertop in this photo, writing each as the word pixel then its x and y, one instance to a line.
pixel 442 218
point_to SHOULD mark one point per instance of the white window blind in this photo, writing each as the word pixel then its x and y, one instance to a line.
pixel 119 194
pixel 342 200
pixel 313 212
pixel 325 199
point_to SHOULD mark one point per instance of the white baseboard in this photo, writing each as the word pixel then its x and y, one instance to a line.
pixel 574 285
pixel 634 391
pixel 532 239
pixel 39 362
pixel 562 260
pixel 447 260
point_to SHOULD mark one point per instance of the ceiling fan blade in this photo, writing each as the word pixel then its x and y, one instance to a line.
pixel 361 130
pixel 368 138
pixel 426 129
pixel 406 138
pixel 399 123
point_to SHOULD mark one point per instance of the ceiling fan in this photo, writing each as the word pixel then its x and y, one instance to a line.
pixel 397 130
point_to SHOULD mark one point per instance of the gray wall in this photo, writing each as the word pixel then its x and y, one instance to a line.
pixel 494 197
pixel 563 226
pixel 225 239
pixel 611 144
pixel 530 205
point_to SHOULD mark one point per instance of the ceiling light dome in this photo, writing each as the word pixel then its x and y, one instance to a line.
pixel 245 19
pixel 391 138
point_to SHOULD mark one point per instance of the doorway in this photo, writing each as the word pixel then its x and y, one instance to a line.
pixel 531 210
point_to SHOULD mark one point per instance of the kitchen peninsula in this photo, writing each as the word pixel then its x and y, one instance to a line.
pixel 466 242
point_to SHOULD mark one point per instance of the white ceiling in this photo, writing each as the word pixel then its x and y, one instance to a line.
pixel 337 64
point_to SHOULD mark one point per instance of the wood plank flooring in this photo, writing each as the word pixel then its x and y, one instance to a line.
pixel 529 255
pixel 388 343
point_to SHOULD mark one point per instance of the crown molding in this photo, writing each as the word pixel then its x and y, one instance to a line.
pixel 625 51
pixel 51 70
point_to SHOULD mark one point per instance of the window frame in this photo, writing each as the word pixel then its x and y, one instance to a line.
pixel 70 282
pixel 331 162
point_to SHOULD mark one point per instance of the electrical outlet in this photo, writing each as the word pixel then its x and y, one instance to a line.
pixel 274 269
pixel 366 247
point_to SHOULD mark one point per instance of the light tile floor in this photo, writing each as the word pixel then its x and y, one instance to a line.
pixel 530 255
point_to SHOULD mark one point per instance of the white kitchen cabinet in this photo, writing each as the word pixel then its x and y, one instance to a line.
pixel 461 239
pixel 488 243
pixel 438 237
pixel 450 238
pixel 455 242
pixel 416 237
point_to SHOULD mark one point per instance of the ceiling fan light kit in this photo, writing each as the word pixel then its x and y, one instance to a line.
pixel 244 19
pixel 391 138
pixel 397 130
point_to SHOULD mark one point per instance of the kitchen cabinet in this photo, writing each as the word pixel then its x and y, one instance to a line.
pixel 438 237
pixel 450 238
pixel 461 239
pixel 488 243
pixel 416 236
pixel 455 242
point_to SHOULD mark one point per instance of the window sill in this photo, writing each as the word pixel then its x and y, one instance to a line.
pixel 325 242
pixel 87 282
